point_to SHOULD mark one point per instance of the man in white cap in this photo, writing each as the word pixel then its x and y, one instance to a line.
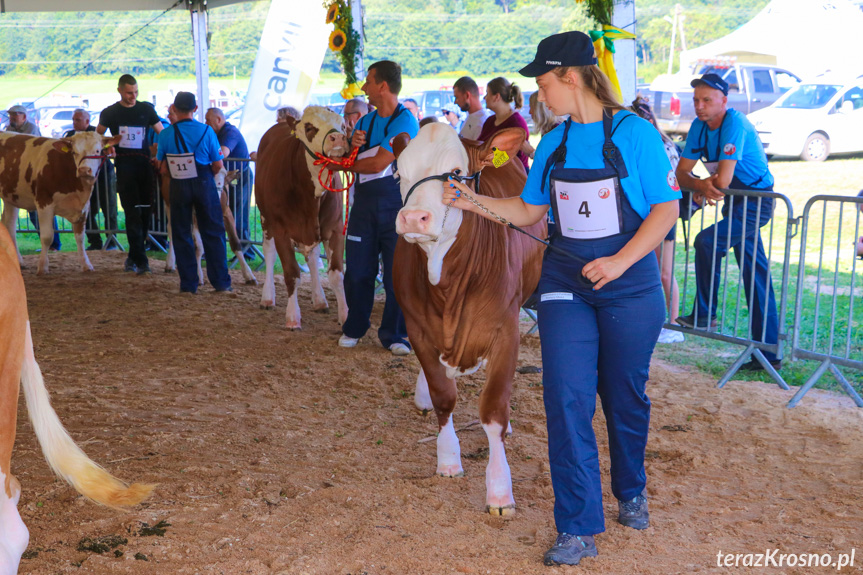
pixel 19 123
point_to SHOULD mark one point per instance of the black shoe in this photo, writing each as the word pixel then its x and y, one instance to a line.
pixel 92 248
pixel 689 321
pixel 144 270
pixel 755 365
pixel 129 266
pixel 570 549
pixel 634 513
pixel 228 289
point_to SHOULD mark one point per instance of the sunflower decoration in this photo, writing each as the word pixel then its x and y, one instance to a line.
pixel 344 41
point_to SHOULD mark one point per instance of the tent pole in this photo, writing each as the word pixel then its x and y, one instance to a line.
pixel 624 57
pixel 198 10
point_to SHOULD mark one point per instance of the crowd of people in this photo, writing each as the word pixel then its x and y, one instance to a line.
pixel 602 296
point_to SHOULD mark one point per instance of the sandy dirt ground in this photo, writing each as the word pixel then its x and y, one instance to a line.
pixel 277 452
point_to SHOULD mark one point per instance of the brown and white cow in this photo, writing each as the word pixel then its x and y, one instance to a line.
pixel 53 177
pixel 296 209
pixel 18 367
pixel 223 179
pixel 460 284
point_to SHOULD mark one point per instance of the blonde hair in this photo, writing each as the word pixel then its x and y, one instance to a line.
pixel 594 81
pixel 543 120
pixel 508 92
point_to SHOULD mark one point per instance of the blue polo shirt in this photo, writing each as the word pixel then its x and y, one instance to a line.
pixel 403 121
pixel 651 179
pixel 199 138
pixel 231 138
pixel 736 139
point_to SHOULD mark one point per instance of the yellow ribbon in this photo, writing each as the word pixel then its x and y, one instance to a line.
pixel 603 44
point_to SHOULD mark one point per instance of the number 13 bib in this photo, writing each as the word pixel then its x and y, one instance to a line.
pixel 588 210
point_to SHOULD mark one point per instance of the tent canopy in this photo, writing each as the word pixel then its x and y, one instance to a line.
pixel 806 37
pixel 98 5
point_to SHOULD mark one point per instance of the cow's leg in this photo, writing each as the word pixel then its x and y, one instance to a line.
pixel 443 394
pixel 285 247
pixel 46 237
pixel 268 294
pixel 234 240
pixel 14 536
pixel 494 415
pixel 199 248
pixel 171 259
pixel 78 228
pixel 335 275
pixel 10 220
pixel 422 399
pixel 313 260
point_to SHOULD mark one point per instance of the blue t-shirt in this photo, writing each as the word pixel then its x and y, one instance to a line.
pixel 192 131
pixel 231 138
pixel 403 121
pixel 651 179
pixel 736 139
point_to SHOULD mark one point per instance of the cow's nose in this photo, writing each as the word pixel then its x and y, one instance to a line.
pixel 415 221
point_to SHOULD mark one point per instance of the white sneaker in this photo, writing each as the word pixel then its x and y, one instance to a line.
pixel 670 336
pixel 346 341
pixel 400 349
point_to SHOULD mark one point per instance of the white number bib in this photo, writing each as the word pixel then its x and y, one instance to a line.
pixel 131 137
pixel 363 178
pixel 182 166
pixel 588 210
pixel 712 167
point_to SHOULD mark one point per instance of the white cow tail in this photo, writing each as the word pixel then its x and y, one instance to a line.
pixel 63 455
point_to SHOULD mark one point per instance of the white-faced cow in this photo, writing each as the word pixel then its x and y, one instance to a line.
pixel 53 177
pixel 18 364
pixel 296 209
pixel 460 280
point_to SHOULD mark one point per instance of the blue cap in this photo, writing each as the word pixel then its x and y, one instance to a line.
pixel 566 49
pixel 711 81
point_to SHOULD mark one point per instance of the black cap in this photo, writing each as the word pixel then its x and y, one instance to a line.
pixel 185 101
pixel 566 49
pixel 711 81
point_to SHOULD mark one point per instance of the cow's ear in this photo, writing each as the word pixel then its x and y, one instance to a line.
pixel 108 142
pixel 64 146
pixel 502 147
pixel 311 131
pixel 400 142
pixel 292 122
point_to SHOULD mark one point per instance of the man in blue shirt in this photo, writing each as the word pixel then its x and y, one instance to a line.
pixel 371 230
pixel 233 146
pixel 728 145
pixel 189 153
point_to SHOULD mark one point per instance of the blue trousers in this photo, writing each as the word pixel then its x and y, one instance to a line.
pixel 747 245
pixel 239 200
pixel 372 234
pixel 596 342
pixel 200 194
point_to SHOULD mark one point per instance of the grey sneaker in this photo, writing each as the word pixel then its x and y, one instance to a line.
pixel 129 266
pixel 570 549
pixel 634 513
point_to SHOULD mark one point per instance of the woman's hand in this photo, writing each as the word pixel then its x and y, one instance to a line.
pixel 452 195
pixel 603 270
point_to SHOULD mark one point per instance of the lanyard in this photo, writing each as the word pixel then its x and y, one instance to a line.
pixel 398 111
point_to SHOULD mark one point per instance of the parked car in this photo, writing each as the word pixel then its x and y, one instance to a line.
pixel 816 119
pixel 430 102
pixel 52 120
pixel 4 119
pixel 750 88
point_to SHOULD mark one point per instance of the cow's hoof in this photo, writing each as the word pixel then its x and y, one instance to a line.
pixel 251 282
pixel 294 326
pixel 87 269
pixel 170 271
pixel 504 511
pixel 450 471
pixel 322 310
pixel 268 304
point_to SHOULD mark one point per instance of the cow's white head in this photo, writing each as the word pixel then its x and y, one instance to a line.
pixel 87 150
pixel 424 219
pixel 323 131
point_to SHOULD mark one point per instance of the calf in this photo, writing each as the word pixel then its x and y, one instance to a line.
pixel 53 177
pixel 460 280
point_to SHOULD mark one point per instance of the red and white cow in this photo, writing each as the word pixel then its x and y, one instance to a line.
pixel 53 177
pixel 296 209
pixel 18 367
pixel 460 280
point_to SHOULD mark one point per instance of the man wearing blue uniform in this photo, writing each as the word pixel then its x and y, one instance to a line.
pixel 189 152
pixel 372 223
pixel 728 145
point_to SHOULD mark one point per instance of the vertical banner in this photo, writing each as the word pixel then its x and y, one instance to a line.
pixel 287 66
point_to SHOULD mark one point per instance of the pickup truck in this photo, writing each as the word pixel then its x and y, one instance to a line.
pixel 750 88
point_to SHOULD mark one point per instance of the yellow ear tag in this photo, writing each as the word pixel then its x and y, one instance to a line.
pixel 65 148
pixel 500 158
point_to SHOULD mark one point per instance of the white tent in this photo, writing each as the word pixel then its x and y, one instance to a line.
pixel 806 37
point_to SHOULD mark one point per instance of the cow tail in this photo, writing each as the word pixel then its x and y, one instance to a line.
pixel 63 455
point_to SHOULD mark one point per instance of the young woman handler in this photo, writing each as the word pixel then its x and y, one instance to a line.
pixel 614 196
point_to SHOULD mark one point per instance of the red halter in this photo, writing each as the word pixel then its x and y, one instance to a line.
pixel 324 162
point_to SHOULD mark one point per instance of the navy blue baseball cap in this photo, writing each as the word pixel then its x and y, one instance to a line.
pixel 711 81
pixel 185 101
pixel 566 49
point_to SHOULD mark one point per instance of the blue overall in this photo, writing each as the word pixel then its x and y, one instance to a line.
pixel 596 341
pixel 199 193
pixel 371 234
pixel 730 233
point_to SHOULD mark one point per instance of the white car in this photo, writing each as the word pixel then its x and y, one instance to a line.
pixel 817 118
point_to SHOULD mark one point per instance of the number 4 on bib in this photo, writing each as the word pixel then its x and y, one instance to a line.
pixel 584 209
